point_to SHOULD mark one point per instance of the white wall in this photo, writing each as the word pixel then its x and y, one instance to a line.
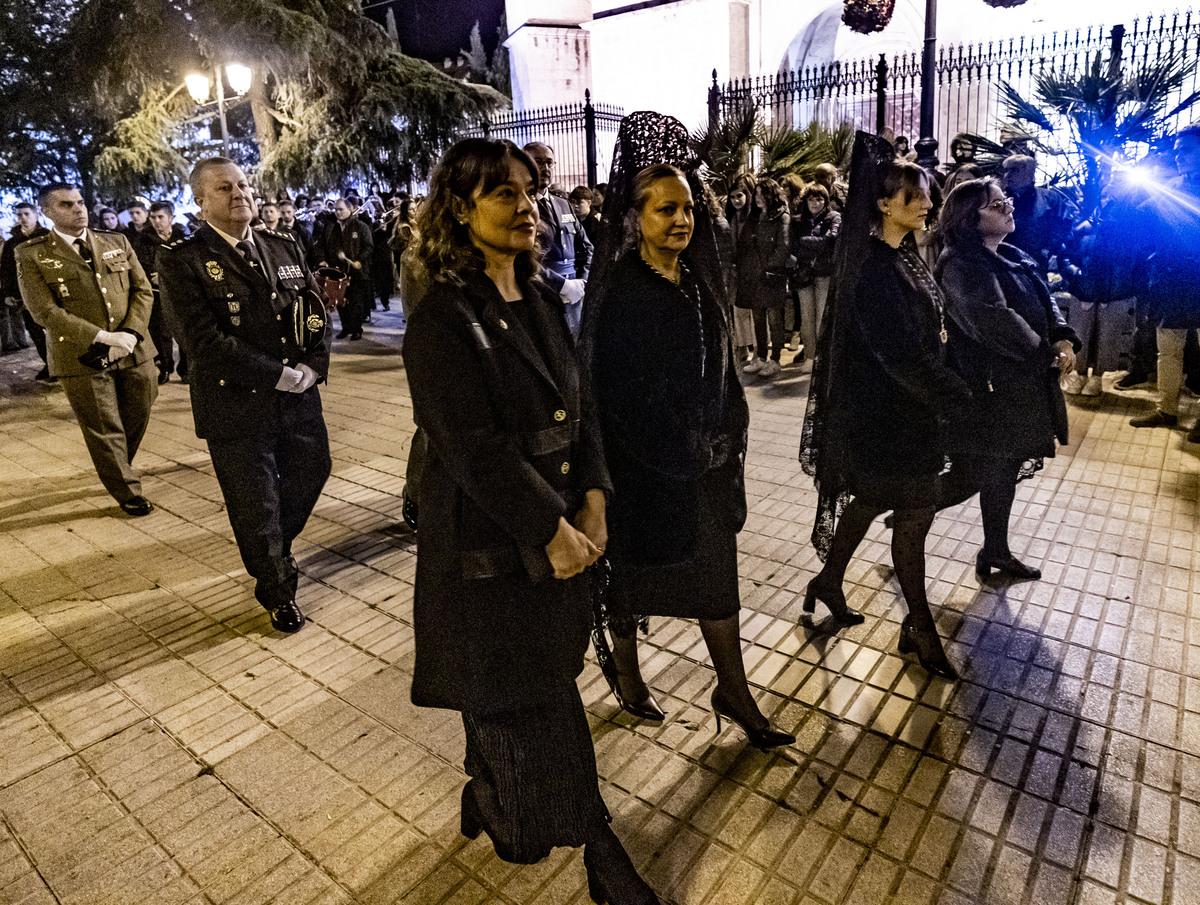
pixel 549 65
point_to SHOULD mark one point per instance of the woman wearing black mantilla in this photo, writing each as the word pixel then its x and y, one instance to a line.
pixel 512 505
pixel 673 417
pixel 881 394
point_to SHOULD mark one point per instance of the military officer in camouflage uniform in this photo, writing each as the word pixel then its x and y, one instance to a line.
pixel 87 289
pixel 256 354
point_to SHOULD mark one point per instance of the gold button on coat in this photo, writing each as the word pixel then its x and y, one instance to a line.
pixel 560 415
pixel 566 466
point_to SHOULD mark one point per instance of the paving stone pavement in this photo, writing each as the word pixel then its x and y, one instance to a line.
pixel 160 744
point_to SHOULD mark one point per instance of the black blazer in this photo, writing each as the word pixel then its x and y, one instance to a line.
pixel 237 327
pixel 513 446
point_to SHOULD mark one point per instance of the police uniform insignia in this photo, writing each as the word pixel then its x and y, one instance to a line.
pixel 215 271
pixel 235 307
pixel 112 253
pixel 290 272
pixel 314 323
pixel 236 320
pixel 50 263
pixel 63 291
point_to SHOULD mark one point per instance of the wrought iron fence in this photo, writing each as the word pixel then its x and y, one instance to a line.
pixel 582 135
pixel 874 94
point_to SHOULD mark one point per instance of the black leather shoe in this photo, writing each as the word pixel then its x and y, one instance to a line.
pixel 342 334
pixel 137 506
pixel 1131 380
pixel 357 334
pixel 163 377
pixel 1009 565
pixel 763 738
pixel 286 617
pixel 1157 419
pixel 43 374
pixel 1194 434
pixel 927 645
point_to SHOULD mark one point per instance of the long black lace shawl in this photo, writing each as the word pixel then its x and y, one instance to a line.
pixel 823 452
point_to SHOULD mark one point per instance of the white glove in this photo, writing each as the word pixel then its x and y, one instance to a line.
pixel 121 344
pixel 308 378
pixel 572 291
pixel 289 380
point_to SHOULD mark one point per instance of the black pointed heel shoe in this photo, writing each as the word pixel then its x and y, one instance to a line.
pixel 764 738
pixel 927 645
pixel 611 877
pixel 1008 565
pixel 646 709
pixel 834 600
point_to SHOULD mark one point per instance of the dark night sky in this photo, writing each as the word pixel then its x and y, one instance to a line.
pixel 435 29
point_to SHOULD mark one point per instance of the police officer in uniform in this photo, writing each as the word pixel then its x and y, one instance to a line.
pixel 255 354
pixel 565 248
pixel 87 289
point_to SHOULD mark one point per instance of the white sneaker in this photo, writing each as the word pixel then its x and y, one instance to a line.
pixel 1093 387
pixel 755 366
pixel 1073 383
pixel 770 369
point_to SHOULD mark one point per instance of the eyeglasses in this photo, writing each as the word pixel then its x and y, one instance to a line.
pixel 1000 204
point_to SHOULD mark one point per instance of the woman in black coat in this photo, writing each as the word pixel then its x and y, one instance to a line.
pixel 675 439
pixel 347 245
pixel 512 505
pixel 764 259
pixel 881 391
pixel 1010 343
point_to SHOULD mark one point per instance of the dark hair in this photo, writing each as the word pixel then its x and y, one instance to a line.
pixel 580 193
pixel 445 249
pixel 958 222
pixel 794 186
pixel 134 204
pixel 107 210
pixel 816 191
pixel 50 188
pixel 901 176
pixel 772 193
pixel 162 206
pixel 23 206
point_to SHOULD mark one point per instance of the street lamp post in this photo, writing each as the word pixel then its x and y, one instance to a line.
pixel 239 80
pixel 927 145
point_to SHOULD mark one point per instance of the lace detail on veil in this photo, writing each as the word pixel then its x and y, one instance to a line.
pixel 823 452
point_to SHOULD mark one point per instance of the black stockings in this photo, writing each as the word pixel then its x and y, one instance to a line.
pixel 995 480
pixel 910 528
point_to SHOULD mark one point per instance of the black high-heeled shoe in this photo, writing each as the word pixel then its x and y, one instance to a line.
pixel 927 645
pixel 834 600
pixel 763 739
pixel 647 709
pixel 611 877
pixel 1009 565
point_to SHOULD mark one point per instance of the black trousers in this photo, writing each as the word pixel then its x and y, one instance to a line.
pixel 271 482
pixel 36 333
pixel 161 334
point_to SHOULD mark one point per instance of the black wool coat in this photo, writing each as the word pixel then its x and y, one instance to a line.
pixel 513 446
pixel 895 385
pixel 1003 324
pixel 668 404
pixel 763 256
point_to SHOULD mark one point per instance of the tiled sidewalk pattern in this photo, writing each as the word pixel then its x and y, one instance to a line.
pixel 159 744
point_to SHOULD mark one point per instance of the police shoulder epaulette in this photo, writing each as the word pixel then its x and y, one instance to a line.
pixel 178 242
pixel 108 232
pixel 36 240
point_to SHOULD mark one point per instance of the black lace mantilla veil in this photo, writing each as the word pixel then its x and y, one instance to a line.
pixel 823 452
pixel 644 139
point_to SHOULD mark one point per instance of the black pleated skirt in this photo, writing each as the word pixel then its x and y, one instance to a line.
pixel 533 775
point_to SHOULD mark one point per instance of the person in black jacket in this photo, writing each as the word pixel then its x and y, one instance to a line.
pixel 1009 343
pixel 347 245
pixel 676 441
pixel 880 393
pixel 512 502
pixel 234 298
pixel 764 259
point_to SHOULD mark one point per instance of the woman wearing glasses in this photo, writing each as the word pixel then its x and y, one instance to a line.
pixel 1009 342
